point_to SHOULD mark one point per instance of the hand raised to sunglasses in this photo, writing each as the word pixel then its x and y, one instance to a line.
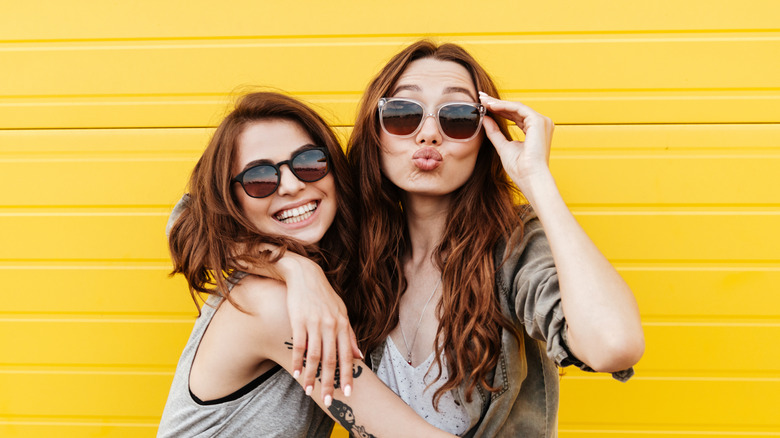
pixel 526 160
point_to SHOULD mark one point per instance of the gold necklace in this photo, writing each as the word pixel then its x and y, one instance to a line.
pixel 414 338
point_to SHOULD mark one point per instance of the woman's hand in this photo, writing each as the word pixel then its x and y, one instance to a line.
pixel 320 326
pixel 522 160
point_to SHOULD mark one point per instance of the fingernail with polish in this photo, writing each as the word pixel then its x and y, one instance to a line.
pixel 328 400
pixel 309 389
pixel 296 374
pixel 347 390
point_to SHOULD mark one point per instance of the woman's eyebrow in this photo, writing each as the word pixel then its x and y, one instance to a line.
pixel 407 88
pixel 448 90
pixel 455 90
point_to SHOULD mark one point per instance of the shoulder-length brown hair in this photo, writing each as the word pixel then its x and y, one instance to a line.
pixel 213 234
pixel 482 212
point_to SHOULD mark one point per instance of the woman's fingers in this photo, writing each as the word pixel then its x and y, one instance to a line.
pixel 355 348
pixel 343 378
pixel 298 348
pixel 522 115
pixel 329 360
pixel 514 111
pixel 312 365
pixel 494 134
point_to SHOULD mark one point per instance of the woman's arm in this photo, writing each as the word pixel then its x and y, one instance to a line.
pixel 604 328
pixel 318 316
pixel 371 410
pixel 319 322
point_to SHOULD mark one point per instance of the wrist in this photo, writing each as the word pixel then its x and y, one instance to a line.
pixel 537 186
pixel 289 266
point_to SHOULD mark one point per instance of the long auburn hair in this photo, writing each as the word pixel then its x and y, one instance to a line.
pixel 482 213
pixel 213 234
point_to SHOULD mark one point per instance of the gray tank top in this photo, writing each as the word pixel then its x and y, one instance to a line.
pixel 273 405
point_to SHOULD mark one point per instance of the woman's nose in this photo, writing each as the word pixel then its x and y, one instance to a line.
pixel 429 132
pixel 289 184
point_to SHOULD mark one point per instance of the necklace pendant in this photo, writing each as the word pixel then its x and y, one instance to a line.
pixel 409 362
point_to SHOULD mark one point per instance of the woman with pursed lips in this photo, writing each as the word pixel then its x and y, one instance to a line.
pixel 467 301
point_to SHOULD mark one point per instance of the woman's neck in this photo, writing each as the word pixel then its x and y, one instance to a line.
pixel 426 218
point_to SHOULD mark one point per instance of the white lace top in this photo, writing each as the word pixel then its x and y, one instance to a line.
pixel 410 384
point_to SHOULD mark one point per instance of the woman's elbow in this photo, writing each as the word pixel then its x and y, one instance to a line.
pixel 619 353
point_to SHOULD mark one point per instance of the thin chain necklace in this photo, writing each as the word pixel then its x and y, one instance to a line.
pixel 414 338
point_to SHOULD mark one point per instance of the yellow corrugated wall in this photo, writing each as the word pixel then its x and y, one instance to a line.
pixel 667 147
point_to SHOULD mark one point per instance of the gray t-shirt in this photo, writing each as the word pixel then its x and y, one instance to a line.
pixel 273 405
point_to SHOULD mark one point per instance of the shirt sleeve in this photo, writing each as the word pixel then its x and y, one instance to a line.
pixel 537 297
pixel 177 210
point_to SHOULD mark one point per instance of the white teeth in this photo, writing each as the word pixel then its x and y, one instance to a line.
pixel 295 215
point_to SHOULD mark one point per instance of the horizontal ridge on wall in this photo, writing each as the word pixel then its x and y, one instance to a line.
pixel 667 78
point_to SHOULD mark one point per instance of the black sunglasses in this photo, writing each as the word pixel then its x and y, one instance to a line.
pixel 458 121
pixel 262 180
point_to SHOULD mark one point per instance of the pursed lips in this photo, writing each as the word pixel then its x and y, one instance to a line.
pixel 427 158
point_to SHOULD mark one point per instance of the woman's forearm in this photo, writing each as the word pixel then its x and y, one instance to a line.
pixel 604 328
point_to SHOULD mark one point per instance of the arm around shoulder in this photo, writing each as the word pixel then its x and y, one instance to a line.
pixel 371 410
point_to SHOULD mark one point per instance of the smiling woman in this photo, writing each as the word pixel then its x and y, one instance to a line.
pixel 269 190
pixel 305 201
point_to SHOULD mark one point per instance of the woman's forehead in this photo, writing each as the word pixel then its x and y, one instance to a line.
pixel 428 74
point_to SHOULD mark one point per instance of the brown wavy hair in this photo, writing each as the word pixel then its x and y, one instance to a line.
pixel 482 213
pixel 213 234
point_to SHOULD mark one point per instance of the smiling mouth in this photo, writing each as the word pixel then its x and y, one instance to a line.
pixel 297 214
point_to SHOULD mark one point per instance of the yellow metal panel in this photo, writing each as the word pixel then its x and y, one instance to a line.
pixel 625 62
pixel 687 236
pixel 650 406
pixel 94 289
pixel 93 342
pixel 109 182
pixel 624 236
pixel 692 350
pixel 47 143
pixel 632 433
pixel 83 236
pixel 148 19
pixel 705 292
pixel 47 428
pixel 668 180
pixel 107 395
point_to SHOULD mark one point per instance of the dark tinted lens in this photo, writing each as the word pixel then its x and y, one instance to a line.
pixel 401 117
pixel 459 121
pixel 310 165
pixel 260 181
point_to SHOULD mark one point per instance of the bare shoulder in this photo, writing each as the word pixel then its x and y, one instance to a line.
pixel 241 342
pixel 262 302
